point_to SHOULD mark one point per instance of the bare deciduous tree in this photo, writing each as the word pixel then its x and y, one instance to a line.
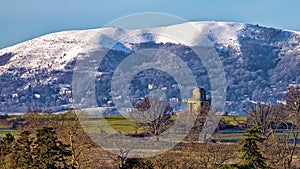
pixel 153 114
pixel 210 155
pixel 70 131
pixel 281 126
pixel 260 115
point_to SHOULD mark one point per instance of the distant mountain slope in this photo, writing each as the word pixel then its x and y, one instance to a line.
pixel 259 64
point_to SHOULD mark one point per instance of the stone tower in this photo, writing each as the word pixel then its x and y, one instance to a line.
pixel 198 99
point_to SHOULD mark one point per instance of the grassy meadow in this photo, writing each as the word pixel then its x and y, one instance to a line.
pixel 125 126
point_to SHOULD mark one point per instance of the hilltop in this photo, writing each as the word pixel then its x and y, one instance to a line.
pixel 259 63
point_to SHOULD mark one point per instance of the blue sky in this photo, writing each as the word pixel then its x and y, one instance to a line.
pixel 21 20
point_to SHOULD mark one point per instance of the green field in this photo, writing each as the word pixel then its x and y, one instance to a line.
pixel 126 126
pixel 6 129
pixel 121 124
pixel 117 123
pixel 109 124
pixel 235 120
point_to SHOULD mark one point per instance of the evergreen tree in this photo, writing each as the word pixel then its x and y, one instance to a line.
pixel 49 152
pixel 40 149
pixel 5 147
pixel 250 151
pixel 21 155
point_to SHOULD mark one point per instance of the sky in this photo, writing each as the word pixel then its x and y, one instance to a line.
pixel 21 20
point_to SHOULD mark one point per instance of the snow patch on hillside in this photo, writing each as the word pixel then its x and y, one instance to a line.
pixel 52 51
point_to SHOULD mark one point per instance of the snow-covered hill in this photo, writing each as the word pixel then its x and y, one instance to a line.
pixel 54 51
pixel 259 62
